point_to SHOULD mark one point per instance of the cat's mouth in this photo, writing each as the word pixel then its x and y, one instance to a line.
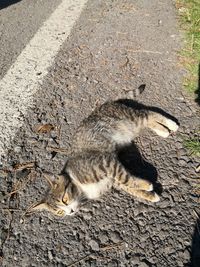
pixel 69 209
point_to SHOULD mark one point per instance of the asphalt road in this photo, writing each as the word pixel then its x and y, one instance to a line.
pixel 114 47
pixel 19 21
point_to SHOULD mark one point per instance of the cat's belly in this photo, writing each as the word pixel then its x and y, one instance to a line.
pixel 95 190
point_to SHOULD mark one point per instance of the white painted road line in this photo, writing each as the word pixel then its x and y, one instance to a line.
pixel 21 82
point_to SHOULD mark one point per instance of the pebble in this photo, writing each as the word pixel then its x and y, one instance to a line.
pixel 174 160
pixel 3 173
pixel 143 264
pixel 103 238
pixel 182 162
pixel 87 216
pixel 17 149
pixel 50 255
pixel 180 263
pixel 94 245
pixel 115 237
pixel 181 152
pixel 186 255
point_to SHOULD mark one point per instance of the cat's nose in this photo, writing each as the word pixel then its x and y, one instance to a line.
pixel 72 211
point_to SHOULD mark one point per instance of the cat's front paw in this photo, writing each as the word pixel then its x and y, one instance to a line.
pixel 149 188
pixel 172 125
pixel 155 197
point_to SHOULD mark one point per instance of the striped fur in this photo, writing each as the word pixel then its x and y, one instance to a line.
pixel 93 167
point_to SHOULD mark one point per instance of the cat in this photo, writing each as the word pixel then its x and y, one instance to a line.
pixel 93 167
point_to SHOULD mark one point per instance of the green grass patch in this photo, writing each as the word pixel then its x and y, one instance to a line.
pixel 193 145
pixel 189 12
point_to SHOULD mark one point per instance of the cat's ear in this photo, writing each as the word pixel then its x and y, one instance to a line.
pixel 39 206
pixel 50 178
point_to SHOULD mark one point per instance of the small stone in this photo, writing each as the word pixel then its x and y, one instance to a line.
pixel 103 238
pixel 17 149
pixel 143 264
pixel 181 152
pixel 87 216
pixel 164 204
pixel 197 168
pixel 94 245
pixel 180 264
pixel 186 255
pixel 174 160
pixel 3 173
pixel 32 140
pixel 115 237
pixel 21 221
pixel 182 162
pixel 50 255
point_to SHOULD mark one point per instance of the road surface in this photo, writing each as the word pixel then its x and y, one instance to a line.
pixel 110 48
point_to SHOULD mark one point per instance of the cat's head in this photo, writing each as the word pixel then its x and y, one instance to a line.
pixel 63 197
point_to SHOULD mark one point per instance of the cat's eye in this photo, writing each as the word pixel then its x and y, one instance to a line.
pixel 60 212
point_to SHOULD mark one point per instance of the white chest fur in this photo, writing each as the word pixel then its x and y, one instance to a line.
pixel 95 190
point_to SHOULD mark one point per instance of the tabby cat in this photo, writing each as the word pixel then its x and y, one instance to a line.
pixel 93 167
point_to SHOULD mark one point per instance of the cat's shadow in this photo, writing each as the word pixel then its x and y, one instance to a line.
pixel 133 161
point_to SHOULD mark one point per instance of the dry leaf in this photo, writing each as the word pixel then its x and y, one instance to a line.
pixel 45 128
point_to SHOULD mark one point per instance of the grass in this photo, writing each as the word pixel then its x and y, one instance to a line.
pixel 193 145
pixel 189 12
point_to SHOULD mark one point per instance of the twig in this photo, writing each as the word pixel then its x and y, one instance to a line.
pixel 195 213
pixel 113 246
pixel 27 211
pixel 192 43
pixel 57 149
pixel 80 260
pixel 59 131
pixel 22 166
pixel 144 51
pixel 21 186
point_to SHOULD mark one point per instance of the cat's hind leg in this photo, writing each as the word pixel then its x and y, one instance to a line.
pixel 137 187
pixel 124 179
pixel 149 196
pixel 161 124
pixel 134 186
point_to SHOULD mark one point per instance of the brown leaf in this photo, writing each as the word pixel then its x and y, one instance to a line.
pixel 45 128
